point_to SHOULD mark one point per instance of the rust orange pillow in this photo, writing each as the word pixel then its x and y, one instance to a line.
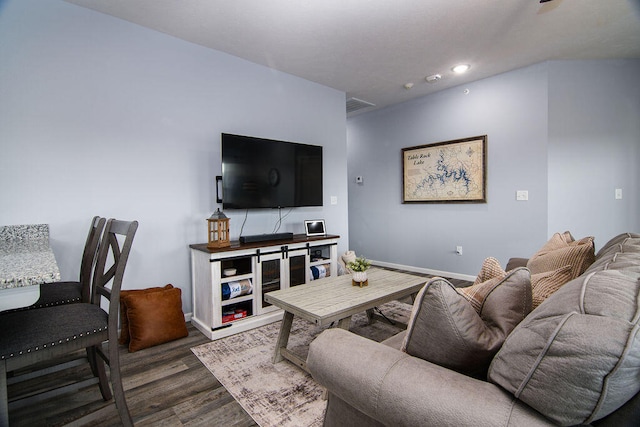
pixel 155 318
pixel 124 322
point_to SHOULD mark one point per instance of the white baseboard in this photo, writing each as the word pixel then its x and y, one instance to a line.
pixel 425 270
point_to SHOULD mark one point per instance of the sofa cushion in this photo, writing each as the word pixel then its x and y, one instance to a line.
pixel 622 248
pixel 576 358
pixel 615 243
pixel 124 320
pixel 396 341
pixel 445 329
pixel 562 250
pixel 155 318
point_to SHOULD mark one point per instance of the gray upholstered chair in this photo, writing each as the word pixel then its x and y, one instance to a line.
pixel 29 337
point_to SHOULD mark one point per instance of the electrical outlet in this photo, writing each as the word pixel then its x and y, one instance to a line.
pixel 459 250
pixel 334 200
pixel 522 195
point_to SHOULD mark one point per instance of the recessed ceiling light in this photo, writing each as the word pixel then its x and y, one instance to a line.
pixel 459 69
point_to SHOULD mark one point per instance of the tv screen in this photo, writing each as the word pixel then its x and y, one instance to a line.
pixel 264 173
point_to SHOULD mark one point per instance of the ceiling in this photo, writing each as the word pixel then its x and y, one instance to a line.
pixel 370 49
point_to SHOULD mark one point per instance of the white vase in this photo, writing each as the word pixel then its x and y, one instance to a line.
pixel 359 276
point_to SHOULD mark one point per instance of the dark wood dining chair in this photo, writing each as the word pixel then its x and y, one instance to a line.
pixel 69 292
pixel 29 337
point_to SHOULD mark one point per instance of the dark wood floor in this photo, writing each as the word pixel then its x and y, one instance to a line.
pixel 164 385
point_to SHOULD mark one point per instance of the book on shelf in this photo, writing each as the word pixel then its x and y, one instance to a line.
pixel 231 315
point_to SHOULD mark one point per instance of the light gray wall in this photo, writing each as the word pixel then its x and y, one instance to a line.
pixel 101 116
pixel 566 131
pixel 511 109
pixel 594 147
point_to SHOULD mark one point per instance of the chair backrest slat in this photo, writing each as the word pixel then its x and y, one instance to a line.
pixel 104 292
pixel 89 256
pixel 115 273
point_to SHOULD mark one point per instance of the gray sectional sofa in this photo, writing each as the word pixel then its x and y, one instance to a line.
pixel 573 360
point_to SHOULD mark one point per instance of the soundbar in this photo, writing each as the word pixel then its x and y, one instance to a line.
pixel 266 237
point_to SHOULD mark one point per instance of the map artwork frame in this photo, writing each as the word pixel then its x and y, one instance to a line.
pixel 446 172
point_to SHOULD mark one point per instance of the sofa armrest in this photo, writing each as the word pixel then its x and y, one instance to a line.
pixel 400 390
pixel 515 263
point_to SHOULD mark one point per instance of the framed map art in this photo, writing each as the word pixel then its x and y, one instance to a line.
pixel 445 172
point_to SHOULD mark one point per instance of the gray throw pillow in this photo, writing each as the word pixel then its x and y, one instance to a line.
pixel 446 329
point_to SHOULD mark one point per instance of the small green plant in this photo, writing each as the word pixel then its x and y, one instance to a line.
pixel 360 264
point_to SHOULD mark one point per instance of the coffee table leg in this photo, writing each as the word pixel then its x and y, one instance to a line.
pixel 370 316
pixel 344 323
pixel 283 336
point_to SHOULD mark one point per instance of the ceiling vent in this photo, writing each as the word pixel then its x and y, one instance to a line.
pixel 354 104
pixel 433 79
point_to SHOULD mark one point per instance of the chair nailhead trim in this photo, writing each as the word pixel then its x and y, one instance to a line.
pixel 21 352
pixel 53 304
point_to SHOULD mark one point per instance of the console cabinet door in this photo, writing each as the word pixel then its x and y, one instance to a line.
pixel 270 277
pixel 280 270
pixel 297 267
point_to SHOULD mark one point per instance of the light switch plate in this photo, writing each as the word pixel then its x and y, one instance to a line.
pixel 522 195
pixel 334 200
pixel 618 193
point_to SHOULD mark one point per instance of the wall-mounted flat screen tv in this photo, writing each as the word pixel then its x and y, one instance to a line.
pixel 264 173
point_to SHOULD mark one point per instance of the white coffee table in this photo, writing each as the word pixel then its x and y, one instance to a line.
pixel 334 299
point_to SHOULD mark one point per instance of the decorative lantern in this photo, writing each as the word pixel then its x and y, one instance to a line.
pixel 218 230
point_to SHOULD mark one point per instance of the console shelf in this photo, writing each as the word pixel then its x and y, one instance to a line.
pixel 269 265
pixel 236 300
pixel 237 278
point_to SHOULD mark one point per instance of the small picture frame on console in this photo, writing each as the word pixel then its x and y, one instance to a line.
pixel 315 227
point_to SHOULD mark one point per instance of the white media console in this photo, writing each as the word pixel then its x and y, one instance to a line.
pixel 260 266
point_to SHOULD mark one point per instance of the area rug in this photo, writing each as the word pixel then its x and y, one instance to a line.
pixel 282 395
